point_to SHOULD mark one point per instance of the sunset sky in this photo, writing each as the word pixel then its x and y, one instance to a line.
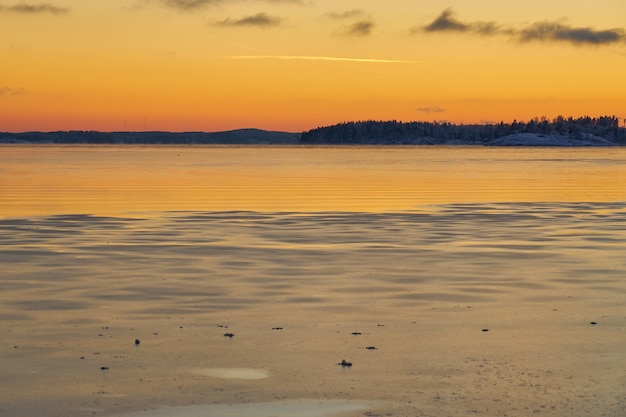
pixel 292 65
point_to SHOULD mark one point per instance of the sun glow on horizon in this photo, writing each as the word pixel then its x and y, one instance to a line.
pixel 291 66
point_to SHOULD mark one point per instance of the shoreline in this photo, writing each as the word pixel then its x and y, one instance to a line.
pixel 348 134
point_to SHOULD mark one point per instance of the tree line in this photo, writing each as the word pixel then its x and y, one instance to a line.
pixel 584 129
pixel 233 137
pixel 395 132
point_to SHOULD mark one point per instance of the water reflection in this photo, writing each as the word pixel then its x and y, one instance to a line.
pixel 114 180
pixel 416 250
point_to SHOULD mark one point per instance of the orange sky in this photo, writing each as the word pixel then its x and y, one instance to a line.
pixel 209 65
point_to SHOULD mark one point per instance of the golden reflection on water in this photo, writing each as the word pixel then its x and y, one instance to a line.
pixel 420 287
pixel 124 179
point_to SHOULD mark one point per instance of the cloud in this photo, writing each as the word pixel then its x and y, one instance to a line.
pixel 446 22
pixel 9 91
pixel 362 28
pixel 489 28
pixel 322 58
pixel 348 14
pixel 34 8
pixel 190 5
pixel 541 31
pixel 434 109
pixel 259 20
pixel 556 32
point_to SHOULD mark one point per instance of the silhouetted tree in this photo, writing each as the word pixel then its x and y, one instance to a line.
pixel 394 132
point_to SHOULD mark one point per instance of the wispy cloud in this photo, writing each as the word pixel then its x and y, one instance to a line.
pixel 434 109
pixel 322 58
pixel 361 28
pixel 556 32
pixel 447 22
pixel 38 8
pixel 540 31
pixel 258 20
pixel 348 14
pixel 9 91
pixel 190 5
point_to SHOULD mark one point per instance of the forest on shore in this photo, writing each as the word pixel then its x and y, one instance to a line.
pixel 560 131
pixel 604 129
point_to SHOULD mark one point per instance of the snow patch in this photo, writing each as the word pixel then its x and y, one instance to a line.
pixel 533 139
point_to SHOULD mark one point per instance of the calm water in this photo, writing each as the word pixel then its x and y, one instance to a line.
pixel 109 180
pixel 310 255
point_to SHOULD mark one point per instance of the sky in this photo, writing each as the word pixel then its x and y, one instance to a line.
pixel 293 65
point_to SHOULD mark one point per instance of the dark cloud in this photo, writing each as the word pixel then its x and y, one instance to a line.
pixel 446 22
pixel 34 8
pixel 362 28
pixel 556 32
pixel 259 20
pixel 542 31
pixel 434 109
pixel 348 14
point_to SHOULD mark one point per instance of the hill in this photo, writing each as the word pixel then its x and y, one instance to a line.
pixel 232 137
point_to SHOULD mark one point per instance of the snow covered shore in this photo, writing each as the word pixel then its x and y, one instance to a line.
pixel 533 139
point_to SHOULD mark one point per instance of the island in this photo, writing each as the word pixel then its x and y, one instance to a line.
pixel 561 131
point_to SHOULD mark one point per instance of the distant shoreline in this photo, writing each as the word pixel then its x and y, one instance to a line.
pixel 519 140
pixel 585 131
